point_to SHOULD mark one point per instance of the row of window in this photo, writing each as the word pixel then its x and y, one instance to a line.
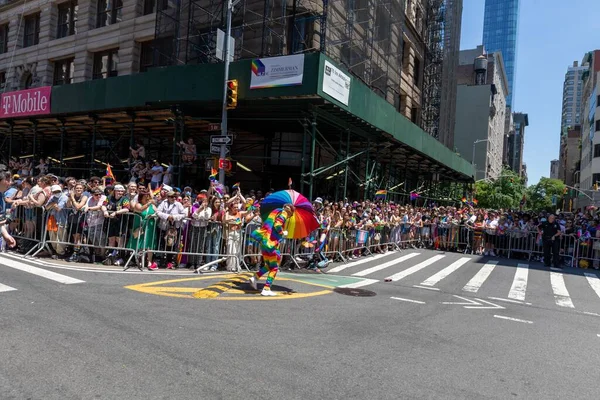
pixel 108 12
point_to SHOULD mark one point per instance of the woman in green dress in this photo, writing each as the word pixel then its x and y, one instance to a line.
pixel 144 228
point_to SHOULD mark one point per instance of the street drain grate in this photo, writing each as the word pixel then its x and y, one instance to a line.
pixel 355 292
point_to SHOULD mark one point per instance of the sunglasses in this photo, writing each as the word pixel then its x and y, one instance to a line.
pixel 96 194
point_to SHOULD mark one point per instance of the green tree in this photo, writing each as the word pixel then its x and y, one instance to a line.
pixel 540 195
pixel 504 192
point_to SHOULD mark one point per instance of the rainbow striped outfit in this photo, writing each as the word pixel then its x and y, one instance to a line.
pixel 268 236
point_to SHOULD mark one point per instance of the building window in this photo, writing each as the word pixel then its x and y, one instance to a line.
pixel 416 71
pixel 146 56
pixel 2 80
pixel 596 179
pixel 63 71
pixel 109 12
pixel 598 125
pixel 31 35
pixel 106 63
pixel 3 38
pixel 149 6
pixel 67 17
pixel 596 150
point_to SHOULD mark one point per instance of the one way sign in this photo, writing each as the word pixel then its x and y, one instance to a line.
pixel 472 304
pixel 217 150
pixel 221 140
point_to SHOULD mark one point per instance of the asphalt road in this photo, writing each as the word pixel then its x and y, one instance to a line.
pixel 101 334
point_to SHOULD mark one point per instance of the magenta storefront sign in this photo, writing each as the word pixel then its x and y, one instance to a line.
pixel 23 103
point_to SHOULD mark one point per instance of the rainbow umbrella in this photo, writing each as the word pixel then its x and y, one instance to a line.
pixel 302 223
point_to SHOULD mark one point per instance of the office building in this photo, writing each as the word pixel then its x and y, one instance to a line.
pixel 481 110
pixel 590 129
pixel 516 142
pixel 570 155
pixel 113 73
pixel 571 106
pixel 500 33
pixel 554 169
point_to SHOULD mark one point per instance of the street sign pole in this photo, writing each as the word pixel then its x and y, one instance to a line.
pixel 226 50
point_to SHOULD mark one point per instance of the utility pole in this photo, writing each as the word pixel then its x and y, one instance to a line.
pixel 226 49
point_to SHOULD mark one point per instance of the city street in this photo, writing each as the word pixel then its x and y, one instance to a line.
pixel 416 324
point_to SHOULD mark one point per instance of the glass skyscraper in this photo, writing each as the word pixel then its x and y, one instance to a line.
pixel 500 30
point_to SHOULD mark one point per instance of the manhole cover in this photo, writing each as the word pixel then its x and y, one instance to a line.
pixel 355 292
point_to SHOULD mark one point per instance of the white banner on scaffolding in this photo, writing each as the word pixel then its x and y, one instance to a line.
pixel 277 71
pixel 336 83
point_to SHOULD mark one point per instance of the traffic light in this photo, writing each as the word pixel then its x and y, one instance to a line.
pixel 232 94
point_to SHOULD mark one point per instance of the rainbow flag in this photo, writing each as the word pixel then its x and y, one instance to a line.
pixel 475 201
pixel 380 194
pixel 236 186
pixel 156 191
pixel 109 173
pixel 213 175
pixel 464 199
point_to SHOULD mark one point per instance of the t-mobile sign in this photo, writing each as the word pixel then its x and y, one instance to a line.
pixel 26 102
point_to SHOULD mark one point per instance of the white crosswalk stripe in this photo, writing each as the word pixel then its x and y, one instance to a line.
pixel 434 279
pixel 519 285
pixel 5 288
pixel 594 282
pixel 342 267
pixel 561 294
pixel 415 268
pixel 388 264
pixel 43 273
pixel 475 283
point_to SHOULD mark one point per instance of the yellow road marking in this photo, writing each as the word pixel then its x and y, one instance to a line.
pixel 214 291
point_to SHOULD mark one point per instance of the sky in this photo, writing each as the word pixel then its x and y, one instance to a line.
pixel 552 34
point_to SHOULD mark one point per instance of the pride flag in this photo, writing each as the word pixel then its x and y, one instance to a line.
pixel 213 175
pixel 236 186
pixel 414 196
pixel 109 172
pixel 380 194
pixel 156 191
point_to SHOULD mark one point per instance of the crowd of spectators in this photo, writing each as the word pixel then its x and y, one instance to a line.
pixel 98 220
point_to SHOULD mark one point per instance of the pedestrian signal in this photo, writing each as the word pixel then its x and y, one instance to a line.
pixel 232 94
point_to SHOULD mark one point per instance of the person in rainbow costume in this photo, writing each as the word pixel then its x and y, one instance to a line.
pixel 269 235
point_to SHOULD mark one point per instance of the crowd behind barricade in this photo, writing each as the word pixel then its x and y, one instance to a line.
pixel 148 223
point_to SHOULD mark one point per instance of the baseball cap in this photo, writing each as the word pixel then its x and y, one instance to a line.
pixel 119 187
pixel 56 188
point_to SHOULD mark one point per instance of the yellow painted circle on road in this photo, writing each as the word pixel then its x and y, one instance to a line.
pixel 223 285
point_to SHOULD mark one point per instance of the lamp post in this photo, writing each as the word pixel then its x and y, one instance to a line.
pixel 473 159
pixel 226 51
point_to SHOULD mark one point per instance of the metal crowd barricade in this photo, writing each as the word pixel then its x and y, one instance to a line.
pixel 173 243
pixel 587 253
pixel 521 243
pixel 27 226
pixel 86 236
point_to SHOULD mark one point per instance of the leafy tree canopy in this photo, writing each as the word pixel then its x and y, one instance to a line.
pixel 504 192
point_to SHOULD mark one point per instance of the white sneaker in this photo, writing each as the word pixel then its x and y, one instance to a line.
pixel 252 282
pixel 267 292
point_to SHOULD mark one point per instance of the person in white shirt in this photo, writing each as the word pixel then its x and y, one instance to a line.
pixel 94 218
pixel 200 214
pixel 157 175
pixel 171 213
